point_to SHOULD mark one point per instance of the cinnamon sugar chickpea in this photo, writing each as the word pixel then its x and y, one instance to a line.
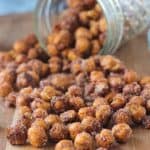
pixel 37 136
pixel 122 132
pixel 40 123
pixel 99 101
pixel 74 90
pixel 74 129
pixel 64 144
pixel 58 132
pixel 39 113
pixel 86 111
pixel 130 76
pixel 84 141
pixel 104 139
pixel 96 75
pixel 5 89
pixel 52 119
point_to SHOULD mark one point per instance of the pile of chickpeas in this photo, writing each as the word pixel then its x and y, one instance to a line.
pixel 73 98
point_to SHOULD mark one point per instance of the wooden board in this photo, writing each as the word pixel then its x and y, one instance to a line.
pixel 135 54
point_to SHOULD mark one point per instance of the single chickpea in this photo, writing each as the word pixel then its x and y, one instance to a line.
pixel 48 92
pixel 64 144
pixel 23 100
pixel 130 76
pixel 74 129
pixel 99 101
pixel 76 102
pixel 105 138
pixel 85 112
pixel 93 15
pixel 39 113
pixel 5 89
pixel 91 124
pixel 84 18
pixel 58 132
pixel 76 66
pixel 24 109
pixel 84 141
pixel 17 134
pixel 74 90
pixel 31 39
pixel 52 50
pixel 94 28
pixel 82 32
pixel 122 132
pixel 52 119
pixel 10 99
pixel 68 116
pixel 63 39
pixel 118 102
pixel 103 112
pixel 137 100
pixel 21 58
pixel 145 80
pixel 20 46
pixel 82 45
pixel 96 76
pixel 103 25
pixel 26 91
pixel 72 55
pixel 122 116
pixel 59 104
pixel 40 123
pixel 137 111
pixel 96 47
pixel 32 53
pixel 37 136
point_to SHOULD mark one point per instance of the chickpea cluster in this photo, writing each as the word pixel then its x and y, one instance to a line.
pixel 72 97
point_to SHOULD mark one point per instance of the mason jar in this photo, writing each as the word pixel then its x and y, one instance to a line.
pixel 125 20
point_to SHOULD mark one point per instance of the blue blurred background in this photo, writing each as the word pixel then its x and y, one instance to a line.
pixel 16 6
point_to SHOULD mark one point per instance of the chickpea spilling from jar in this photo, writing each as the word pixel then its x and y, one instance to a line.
pixel 74 98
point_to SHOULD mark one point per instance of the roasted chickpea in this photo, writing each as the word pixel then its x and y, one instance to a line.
pixel 146 94
pixel 65 144
pixel 39 113
pixel 58 132
pixel 20 46
pixel 82 46
pixel 26 91
pixel 5 89
pixel 31 39
pixel 63 39
pixel 110 63
pixel 85 112
pixel 137 100
pixel 76 66
pixel 76 102
pixel 39 103
pixel 72 55
pixel 84 141
pixel 84 18
pixel 26 79
pixel 91 124
pixel 118 102
pixel 148 106
pixel 48 92
pixel 17 135
pixel 137 111
pixel 59 104
pixel 99 101
pixel 104 138
pixel 94 27
pixel 74 129
pixel 96 76
pixel 132 89
pixel 88 65
pixel 96 47
pixel 24 110
pixel 122 116
pixel 52 119
pixel 130 76
pixel 37 136
pixel 23 100
pixel 122 132
pixel 103 112
pixel 55 64
pixel 116 83
pixel 103 25
pixel 68 116
pixel 40 123
pixel 32 53
pixel 74 90
pixel 146 122
pixel 145 80
pixel 52 50
pixel 82 32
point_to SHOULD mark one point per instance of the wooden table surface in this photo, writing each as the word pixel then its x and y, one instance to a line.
pixel 135 54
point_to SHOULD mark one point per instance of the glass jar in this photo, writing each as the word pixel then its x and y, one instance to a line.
pixel 125 20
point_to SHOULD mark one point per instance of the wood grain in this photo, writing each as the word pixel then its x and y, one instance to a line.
pixel 135 55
